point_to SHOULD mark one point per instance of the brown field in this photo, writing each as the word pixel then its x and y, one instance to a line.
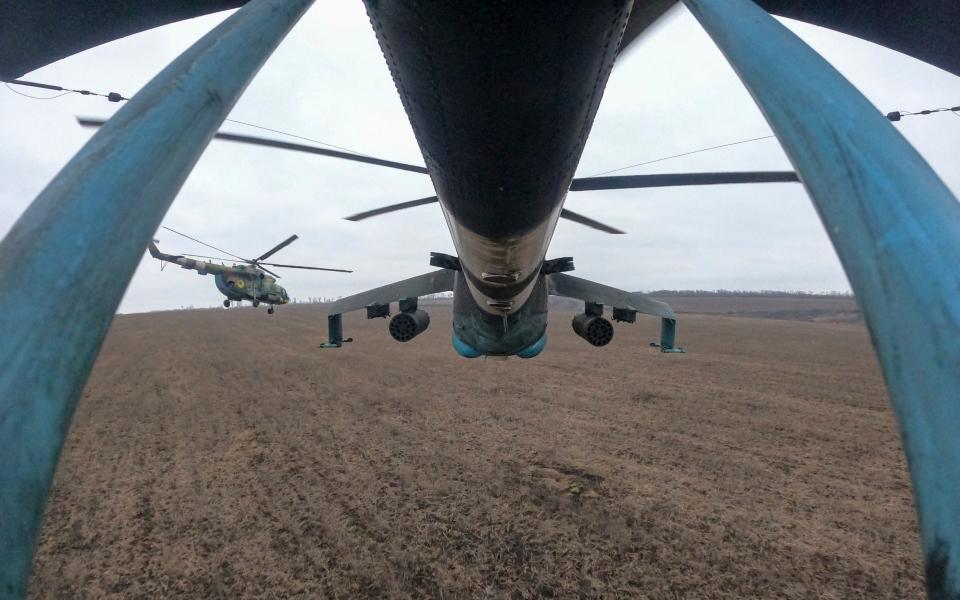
pixel 222 454
pixel 815 308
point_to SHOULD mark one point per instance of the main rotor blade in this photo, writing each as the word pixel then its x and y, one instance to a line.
pixel 268 271
pixel 564 214
pixel 277 248
pixel 578 218
pixel 204 256
pixel 389 209
pixel 257 141
pixel 624 182
pixel 205 244
pixel 303 267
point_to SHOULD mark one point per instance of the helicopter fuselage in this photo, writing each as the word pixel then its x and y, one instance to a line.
pixel 501 113
pixel 241 283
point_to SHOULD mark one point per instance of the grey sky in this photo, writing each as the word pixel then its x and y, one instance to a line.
pixel 674 92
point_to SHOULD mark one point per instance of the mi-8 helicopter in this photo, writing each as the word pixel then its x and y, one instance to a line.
pixel 250 281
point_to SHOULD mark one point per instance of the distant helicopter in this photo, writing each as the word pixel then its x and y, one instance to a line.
pixel 249 281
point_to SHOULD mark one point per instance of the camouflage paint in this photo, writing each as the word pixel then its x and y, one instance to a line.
pixel 245 283
pixel 237 282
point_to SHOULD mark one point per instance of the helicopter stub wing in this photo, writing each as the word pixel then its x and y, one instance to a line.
pixel 559 284
pixel 415 287
pixel 408 289
pixel 625 305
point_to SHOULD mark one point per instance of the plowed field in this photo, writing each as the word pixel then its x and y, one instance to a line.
pixel 221 453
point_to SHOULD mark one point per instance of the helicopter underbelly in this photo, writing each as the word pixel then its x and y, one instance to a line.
pixel 501 112
pixel 500 273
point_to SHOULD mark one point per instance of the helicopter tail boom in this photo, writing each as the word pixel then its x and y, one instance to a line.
pixel 199 266
pixel 155 252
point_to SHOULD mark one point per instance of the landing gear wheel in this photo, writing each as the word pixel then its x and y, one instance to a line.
pixel 270 311
pixel 256 303
pixel 226 304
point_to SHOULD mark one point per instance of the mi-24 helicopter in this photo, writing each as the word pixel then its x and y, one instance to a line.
pixel 501 97
pixel 247 280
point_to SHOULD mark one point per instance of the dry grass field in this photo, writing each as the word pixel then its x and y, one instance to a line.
pixel 840 309
pixel 221 453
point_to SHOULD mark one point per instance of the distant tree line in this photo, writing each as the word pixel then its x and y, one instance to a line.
pixel 314 300
pixel 442 297
pixel 747 293
pixel 721 293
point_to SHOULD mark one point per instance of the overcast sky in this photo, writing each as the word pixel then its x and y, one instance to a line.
pixel 673 93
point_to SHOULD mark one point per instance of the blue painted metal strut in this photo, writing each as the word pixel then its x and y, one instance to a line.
pixel 668 336
pixel 896 229
pixel 79 242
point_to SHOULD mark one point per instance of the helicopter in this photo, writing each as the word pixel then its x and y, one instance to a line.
pixel 249 280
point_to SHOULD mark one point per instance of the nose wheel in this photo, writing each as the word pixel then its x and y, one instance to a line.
pixel 226 304
pixel 270 311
